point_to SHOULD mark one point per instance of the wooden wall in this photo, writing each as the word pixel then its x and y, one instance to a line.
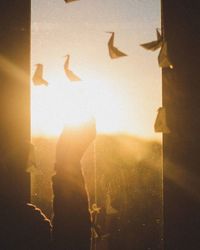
pixel 14 98
pixel 181 148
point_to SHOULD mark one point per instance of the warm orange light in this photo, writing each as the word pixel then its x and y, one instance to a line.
pixel 63 103
pixel 53 107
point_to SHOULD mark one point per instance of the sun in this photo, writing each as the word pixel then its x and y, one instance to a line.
pixel 53 107
pixel 57 105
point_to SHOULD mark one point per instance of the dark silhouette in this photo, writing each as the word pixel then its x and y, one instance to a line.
pixel 22 225
pixel 71 222
pixel 25 228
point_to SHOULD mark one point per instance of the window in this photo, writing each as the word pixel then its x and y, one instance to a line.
pixel 123 170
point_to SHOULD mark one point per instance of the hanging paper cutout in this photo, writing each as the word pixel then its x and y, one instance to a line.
pixel 109 209
pixel 69 1
pixel 38 76
pixel 95 209
pixel 72 77
pixel 31 163
pixel 113 51
pixel 158 34
pixel 163 58
pixel 154 45
pixel 161 122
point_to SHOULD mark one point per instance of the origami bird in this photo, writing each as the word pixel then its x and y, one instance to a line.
pixel 161 122
pixel 109 209
pixel 72 77
pixel 38 76
pixel 31 162
pixel 113 51
pixel 163 57
pixel 154 45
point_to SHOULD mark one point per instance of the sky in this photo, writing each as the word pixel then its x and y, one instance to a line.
pixel 122 94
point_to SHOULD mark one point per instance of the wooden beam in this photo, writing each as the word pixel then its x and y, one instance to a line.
pixel 181 148
pixel 14 98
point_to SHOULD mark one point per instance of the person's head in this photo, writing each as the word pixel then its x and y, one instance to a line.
pixel 74 141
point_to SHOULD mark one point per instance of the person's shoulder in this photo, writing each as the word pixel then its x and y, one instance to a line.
pixel 37 215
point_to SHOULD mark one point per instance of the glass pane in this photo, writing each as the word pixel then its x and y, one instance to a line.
pixel 123 167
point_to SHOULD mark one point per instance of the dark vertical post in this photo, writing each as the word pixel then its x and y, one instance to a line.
pixel 181 148
pixel 14 99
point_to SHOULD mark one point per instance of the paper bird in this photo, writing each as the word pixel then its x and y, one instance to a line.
pixel 72 77
pixel 113 51
pixel 163 58
pixel 158 34
pixel 161 122
pixel 38 76
pixel 68 1
pixel 32 162
pixel 95 208
pixel 154 45
pixel 109 209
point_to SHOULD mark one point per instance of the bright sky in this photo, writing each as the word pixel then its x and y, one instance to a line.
pixel 123 94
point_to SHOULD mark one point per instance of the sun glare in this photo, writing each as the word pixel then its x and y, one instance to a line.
pixel 57 105
pixel 53 107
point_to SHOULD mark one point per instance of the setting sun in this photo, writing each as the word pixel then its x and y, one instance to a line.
pixel 54 106
pixel 62 104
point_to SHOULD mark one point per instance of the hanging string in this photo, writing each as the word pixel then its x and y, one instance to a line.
pixel 94 205
pixel 95 171
pixel 162 20
pixel 163 35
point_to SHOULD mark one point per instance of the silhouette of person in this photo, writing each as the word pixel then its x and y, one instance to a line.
pixel 22 225
pixel 71 221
